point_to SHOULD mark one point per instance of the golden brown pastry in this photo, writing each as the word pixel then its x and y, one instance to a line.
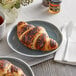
pixel 35 37
pixel 8 69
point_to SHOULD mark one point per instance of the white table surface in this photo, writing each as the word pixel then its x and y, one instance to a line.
pixel 36 11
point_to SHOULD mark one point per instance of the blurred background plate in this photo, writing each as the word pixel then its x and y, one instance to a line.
pixel 19 63
pixel 18 47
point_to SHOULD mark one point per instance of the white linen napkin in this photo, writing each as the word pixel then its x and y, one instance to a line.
pixel 70 56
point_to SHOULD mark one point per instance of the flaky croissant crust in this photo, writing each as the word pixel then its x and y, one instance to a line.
pixel 35 37
pixel 8 69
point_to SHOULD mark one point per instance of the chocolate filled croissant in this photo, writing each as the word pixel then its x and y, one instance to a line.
pixel 35 37
pixel 8 69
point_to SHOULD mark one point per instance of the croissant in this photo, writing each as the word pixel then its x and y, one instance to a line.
pixel 8 69
pixel 35 37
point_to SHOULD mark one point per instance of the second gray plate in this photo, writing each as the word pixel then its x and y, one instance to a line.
pixel 19 63
pixel 18 47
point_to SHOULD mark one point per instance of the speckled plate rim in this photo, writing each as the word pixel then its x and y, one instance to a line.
pixel 33 55
pixel 10 57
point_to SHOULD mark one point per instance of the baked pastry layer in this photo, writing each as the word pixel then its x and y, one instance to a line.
pixel 35 37
pixel 8 69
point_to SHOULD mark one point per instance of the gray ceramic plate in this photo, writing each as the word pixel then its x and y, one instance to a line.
pixel 18 47
pixel 21 64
